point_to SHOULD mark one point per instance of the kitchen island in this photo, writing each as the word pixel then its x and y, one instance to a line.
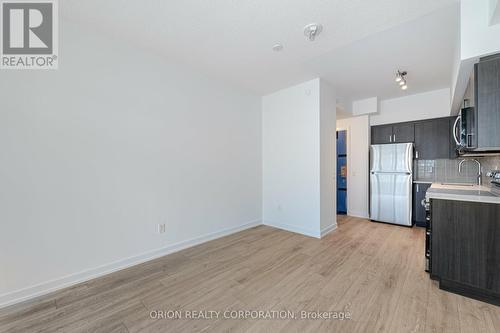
pixel 464 240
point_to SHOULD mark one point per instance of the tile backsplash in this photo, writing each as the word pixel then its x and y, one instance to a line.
pixel 446 170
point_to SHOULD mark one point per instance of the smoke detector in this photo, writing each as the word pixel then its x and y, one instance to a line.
pixel 277 47
pixel 311 31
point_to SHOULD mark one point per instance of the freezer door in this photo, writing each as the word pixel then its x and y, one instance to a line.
pixel 391 198
pixel 392 158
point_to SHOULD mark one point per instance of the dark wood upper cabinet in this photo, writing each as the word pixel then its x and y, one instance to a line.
pixel 453 153
pixel 381 134
pixel 487 86
pixel 432 139
pixel 403 133
pixel 393 133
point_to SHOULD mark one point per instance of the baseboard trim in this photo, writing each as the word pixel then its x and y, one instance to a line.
pixel 48 287
pixel 327 230
pixel 479 294
pixel 361 215
pixel 292 228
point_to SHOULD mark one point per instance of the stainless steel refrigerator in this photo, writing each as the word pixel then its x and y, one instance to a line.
pixel 391 181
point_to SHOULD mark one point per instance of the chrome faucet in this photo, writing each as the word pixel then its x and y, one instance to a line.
pixel 479 173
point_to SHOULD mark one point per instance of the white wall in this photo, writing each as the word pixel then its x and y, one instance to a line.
pixel 365 106
pixel 478 37
pixel 494 12
pixel 292 123
pixel 328 158
pixel 358 143
pixel 432 104
pixel 93 156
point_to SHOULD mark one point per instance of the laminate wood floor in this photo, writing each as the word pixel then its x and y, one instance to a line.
pixel 374 272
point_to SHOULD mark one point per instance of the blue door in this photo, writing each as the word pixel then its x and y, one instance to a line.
pixel 342 172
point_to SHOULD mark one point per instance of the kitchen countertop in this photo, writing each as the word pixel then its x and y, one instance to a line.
pixel 473 193
pixel 422 182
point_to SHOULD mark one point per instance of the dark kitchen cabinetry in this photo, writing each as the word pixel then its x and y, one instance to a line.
pixel 381 134
pixel 465 248
pixel 452 145
pixel 487 90
pixel 432 139
pixel 393 133
pixel 403 133
pixel 419 191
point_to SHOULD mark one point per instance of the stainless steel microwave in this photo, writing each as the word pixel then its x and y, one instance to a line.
pixel 465 130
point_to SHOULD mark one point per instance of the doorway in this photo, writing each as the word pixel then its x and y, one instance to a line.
pixel 342 172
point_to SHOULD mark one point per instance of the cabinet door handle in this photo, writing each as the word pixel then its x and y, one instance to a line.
pixel 390 138
pixel 416 154
pixel 394 140
pixel 418 189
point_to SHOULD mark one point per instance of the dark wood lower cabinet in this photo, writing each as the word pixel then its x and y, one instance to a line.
pixel 466 248
pixel 419 190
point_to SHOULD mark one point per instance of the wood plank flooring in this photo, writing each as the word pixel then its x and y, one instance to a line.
pixel 373 271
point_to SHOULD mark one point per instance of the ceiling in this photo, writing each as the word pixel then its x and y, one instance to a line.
pixel 361 46
pixel 425 48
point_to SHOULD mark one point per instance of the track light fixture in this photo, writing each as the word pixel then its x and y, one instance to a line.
pixel 401 79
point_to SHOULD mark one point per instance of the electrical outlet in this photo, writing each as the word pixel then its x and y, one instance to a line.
pixel 161 228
